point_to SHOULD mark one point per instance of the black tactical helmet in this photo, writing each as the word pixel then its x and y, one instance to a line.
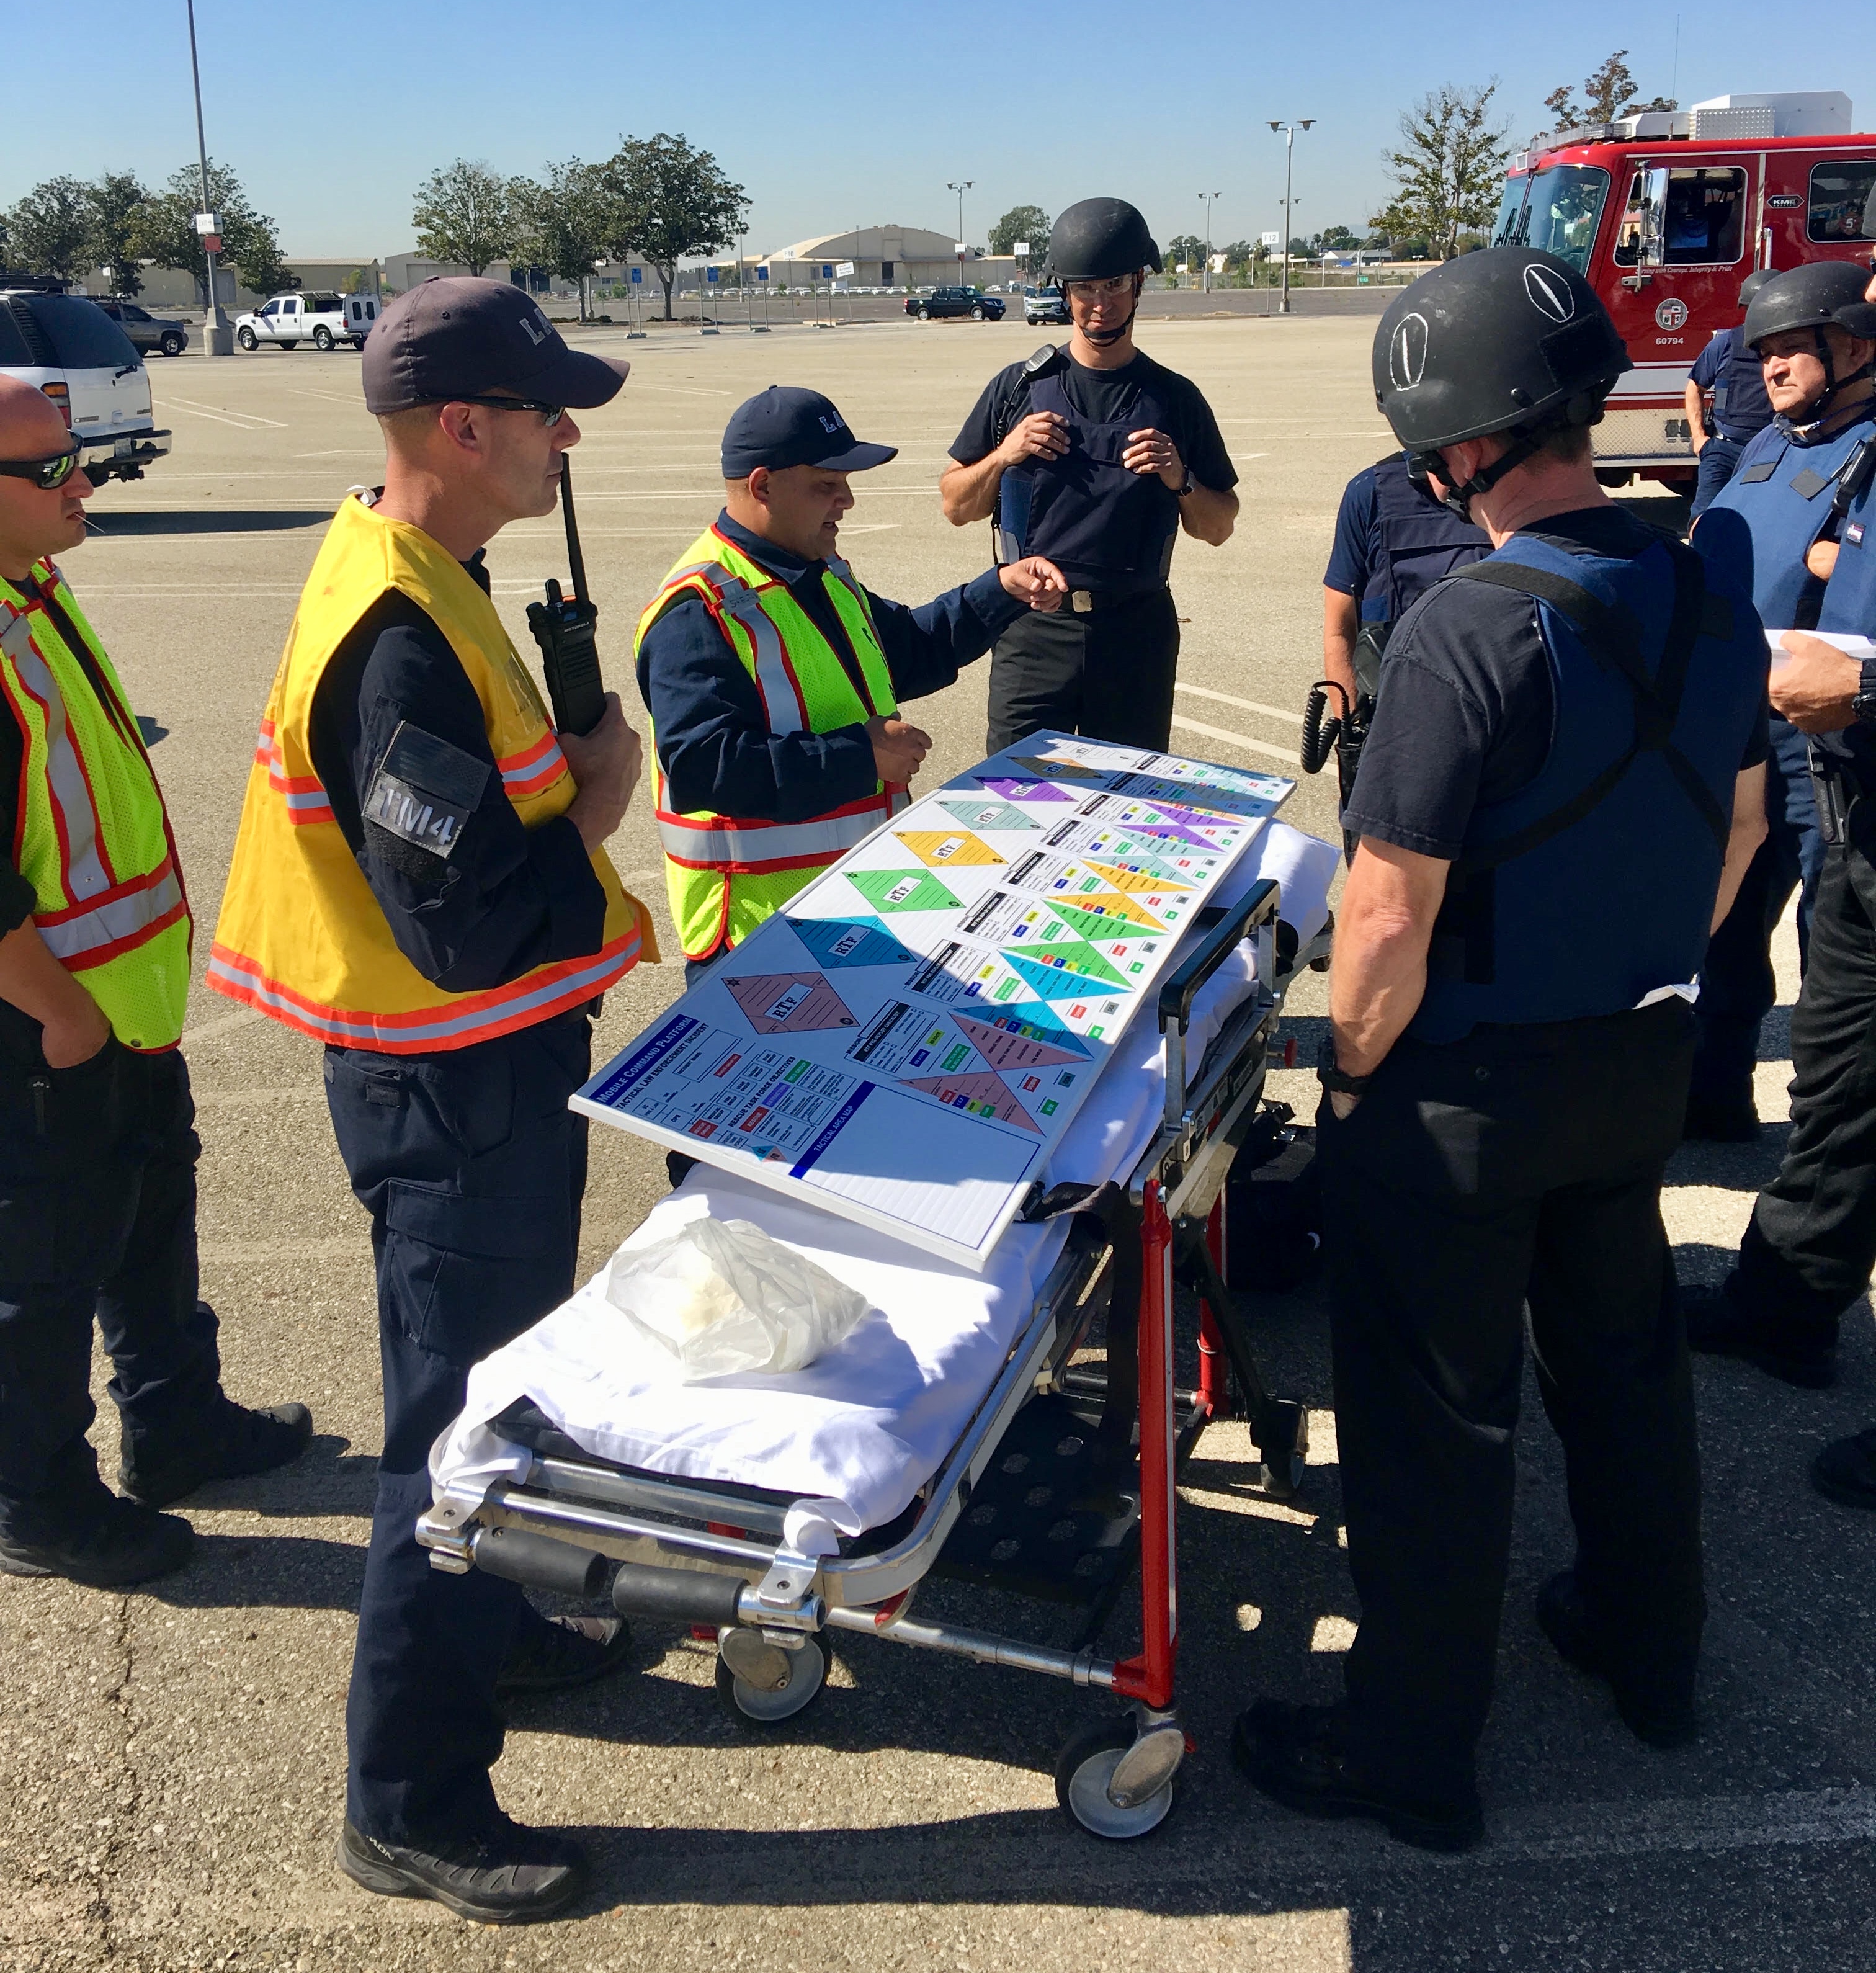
pixel 1807 297
pixel 1506 339
pixel 1753 284
pixel 1098 238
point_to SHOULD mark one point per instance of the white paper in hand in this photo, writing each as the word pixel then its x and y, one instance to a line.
pixel 720 1296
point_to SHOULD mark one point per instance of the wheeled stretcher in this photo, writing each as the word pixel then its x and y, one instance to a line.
pixel 954 1434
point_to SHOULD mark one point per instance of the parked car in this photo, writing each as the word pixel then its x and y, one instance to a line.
pixel 1047 304
pixel 321 319
pixel 146 332
pixel 69 348
pixel 942 301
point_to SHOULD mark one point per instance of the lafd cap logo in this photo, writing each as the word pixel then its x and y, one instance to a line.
pixel 1671 314
pixel 1550 293
pixel 1406 353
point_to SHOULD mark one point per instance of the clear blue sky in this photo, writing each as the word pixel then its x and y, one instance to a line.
pixel 332 110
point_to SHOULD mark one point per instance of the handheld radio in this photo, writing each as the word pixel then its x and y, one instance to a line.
pixel 563 627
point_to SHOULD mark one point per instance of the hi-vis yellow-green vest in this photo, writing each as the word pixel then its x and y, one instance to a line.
pixel 301 936
pixel 725 874
pixel 92 836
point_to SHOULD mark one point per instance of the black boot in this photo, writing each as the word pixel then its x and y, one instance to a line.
pixel 1720 1325
pixel 122 1544
pixel 505 1876
pixel 1845 1470
pixel 229 1443
pixel 1659 1711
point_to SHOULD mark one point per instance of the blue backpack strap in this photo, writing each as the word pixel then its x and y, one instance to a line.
pixel 1612 635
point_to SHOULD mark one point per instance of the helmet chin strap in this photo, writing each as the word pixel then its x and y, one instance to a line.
pixel 1101 338
pixel 1459 499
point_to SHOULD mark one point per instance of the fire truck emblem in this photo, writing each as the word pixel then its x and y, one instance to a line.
pixel 1406 354
pixel 1550 295
pixel 1671 314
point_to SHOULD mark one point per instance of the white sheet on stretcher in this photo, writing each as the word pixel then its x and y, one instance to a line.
pixel 855 1435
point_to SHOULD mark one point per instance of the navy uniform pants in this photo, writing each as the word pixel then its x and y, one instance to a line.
pixel 471 1168
pixel 1518 1169
pixel 1807 1252
pixel 1738 985
pixel 1719 459
pixel 97 1222
pixel 1107 675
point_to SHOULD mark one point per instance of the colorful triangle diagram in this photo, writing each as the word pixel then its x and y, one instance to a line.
pixel 1192 818
pixel 1057 770
pixel 979 1093
pixel 790 1004
pixel 1073 956
pixel 902 891
pixel 938 847
pixel 1020 1040
pixel 1172 831
pixel 1011 790
pixel 1142 877
pixel 1051 983
pixel 838 942
pixel 1118 905
pixel 989 815
pixel 1102 925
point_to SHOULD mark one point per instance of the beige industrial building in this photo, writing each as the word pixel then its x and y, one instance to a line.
pixel 883 256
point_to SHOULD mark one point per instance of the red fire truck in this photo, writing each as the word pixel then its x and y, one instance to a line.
pixel 1666 214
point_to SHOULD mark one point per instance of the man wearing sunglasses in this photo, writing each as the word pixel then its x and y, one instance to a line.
pixel 1096 457
pixel 97 1147
pixel 420 883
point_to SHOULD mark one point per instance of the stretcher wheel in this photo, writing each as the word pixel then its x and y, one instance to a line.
pixel 750 1704
pixel 1081 1777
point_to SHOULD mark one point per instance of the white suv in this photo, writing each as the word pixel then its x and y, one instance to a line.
pixel 69 348
pixel 321 319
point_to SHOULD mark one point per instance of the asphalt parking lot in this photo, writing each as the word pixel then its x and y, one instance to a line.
pixel 173 1760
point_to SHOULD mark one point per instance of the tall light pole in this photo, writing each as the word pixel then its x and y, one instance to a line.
pixel 960 186
pixel 1209 199
pixel 218 337
pixel 1290 159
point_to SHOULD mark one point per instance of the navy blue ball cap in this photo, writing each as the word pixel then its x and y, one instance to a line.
pixel 455 336
pixel 786 426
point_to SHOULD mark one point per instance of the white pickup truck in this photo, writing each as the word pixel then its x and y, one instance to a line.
pixel 69 348
pixel 321 319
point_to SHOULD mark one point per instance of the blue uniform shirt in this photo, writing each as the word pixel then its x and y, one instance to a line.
pixel 1355 549
pixel 713 742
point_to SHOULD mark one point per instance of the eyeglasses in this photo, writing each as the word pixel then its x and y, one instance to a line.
pixel 1101 291
pixel 551 415
pixel 44 473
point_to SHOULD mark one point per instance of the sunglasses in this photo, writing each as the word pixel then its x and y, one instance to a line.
pixel 551 415
pixel 1101 291
pixel 44 473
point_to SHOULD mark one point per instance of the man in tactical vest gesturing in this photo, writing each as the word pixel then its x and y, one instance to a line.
pixel 1097 456
pixel 1561 787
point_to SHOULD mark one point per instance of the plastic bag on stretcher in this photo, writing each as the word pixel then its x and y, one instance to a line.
pixel 720 1296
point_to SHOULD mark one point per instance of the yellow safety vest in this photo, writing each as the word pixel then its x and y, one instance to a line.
pixel 300 938
pixel 725 874
pixel 91 835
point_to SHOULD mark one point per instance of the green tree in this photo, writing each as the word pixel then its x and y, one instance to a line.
pixel 469 215
pixel 1186 246
pixel 1336 239
pixel 667 200
pixel 49 231
pixel 1607 94
pixel 1447 169
pixel 566 224
pixel 1023 222
pixel 112 202
pixel 162 229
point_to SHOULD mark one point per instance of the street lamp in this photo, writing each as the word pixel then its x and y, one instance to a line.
pixel 1209 199
pixel 218 337
pixel 1289 158
pixel 960 186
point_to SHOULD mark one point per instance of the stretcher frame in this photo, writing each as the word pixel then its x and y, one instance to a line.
pixel 715 1556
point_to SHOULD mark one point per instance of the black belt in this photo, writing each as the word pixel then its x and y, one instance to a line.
pixel 1085 602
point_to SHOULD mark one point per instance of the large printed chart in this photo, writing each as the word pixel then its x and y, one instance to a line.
pixel 906 1042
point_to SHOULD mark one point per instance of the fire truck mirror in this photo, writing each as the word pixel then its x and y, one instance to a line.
pixel 1653 203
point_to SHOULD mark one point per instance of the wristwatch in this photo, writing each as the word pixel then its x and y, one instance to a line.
pixel 1337 1081
pixel 1187 484
pixel 1863 704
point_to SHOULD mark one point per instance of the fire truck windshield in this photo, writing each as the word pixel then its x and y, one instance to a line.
pixel 1560 212
pixel 1511 211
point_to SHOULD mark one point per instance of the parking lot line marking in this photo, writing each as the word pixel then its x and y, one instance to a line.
pixel 326 396
pixel 222 416
pixel 1239 740
pixel 1249 705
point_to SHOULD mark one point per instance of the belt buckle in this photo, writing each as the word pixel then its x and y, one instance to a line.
pixel 1081 601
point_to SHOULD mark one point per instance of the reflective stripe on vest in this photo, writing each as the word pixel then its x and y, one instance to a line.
pixel 91 836
pixel 723 843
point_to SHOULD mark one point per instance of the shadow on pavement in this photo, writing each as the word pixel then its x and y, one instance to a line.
pixel 207 521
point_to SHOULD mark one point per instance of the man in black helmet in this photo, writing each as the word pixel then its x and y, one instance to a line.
pixel 1096 457
pixel 1776 520
pixel 1559 791
pixel 1727 407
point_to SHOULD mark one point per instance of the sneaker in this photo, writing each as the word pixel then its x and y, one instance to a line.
pixel 126 1544
pixel 556 1654
pixel 1298 1755
pixel 506 1876
pixel 1709 1122
pixel 1717 1326
pixel 233 1442
pixel 1662 1719
pixel 1845 1470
